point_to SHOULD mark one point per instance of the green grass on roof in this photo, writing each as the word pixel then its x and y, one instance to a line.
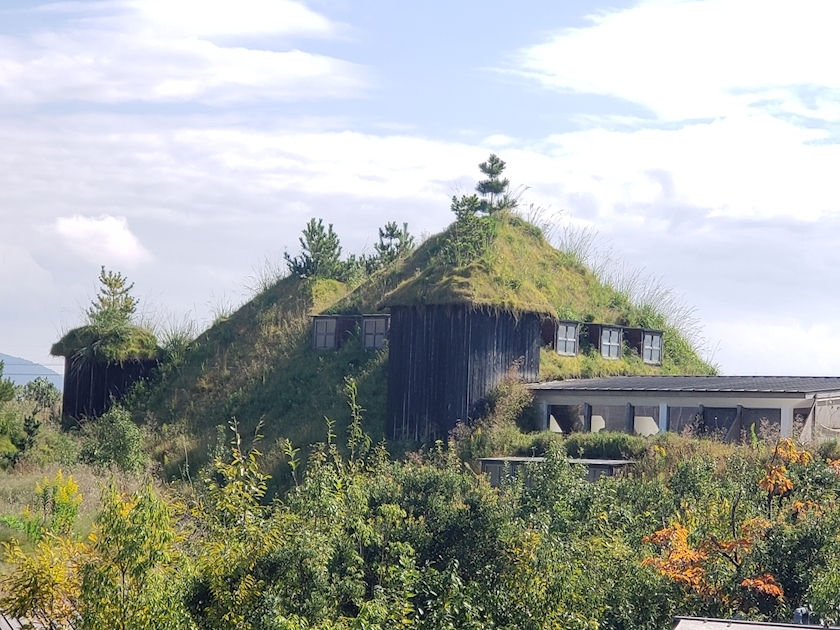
pixel 116 343
pixel 520 271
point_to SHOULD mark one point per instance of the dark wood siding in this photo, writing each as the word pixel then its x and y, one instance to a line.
pixel 443 360
pixel 89 386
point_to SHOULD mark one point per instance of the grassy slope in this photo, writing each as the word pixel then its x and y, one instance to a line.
pixel 258 364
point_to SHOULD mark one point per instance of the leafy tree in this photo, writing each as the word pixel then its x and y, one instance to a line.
pixel 114 302
pixel 7 388
pixel 45 582
pixel 127 583
pixel 41 392
pixel 124 576
pixel 320 255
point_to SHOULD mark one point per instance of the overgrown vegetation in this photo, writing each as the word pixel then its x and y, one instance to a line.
pixel 360 540
pixel 29 426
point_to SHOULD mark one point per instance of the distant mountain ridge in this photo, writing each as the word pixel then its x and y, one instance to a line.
pixel 20 371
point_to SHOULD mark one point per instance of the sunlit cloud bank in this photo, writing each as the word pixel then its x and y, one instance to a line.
pixel 104 239
pixel 742 102
pixel 686 59
pixel 175 51
pixel 714 168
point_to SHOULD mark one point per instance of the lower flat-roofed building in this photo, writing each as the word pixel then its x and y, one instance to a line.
pixel 731 407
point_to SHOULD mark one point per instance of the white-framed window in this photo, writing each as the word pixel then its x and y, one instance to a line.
pixel 611 343
pixel 567 339
pixel 324 334
pixel 652 348
pixel 374 330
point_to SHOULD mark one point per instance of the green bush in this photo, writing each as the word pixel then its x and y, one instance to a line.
pixel 605 445
pixel 114 439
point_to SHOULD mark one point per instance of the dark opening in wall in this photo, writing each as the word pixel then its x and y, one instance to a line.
pixel 566 418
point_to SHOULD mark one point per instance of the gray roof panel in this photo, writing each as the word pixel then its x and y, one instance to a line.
pixel 715 384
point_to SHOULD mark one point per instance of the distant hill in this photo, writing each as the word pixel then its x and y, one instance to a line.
pixel 20 371
pixel 258 365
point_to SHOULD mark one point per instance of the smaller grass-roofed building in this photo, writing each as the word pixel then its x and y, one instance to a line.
pixel 101 364
pixel 107 355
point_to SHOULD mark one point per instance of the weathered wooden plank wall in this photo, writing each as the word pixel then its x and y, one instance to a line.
pixel 89 386
pixel 443 361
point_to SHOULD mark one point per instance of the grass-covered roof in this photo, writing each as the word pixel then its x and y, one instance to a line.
pixel 517 270
pixel 111 344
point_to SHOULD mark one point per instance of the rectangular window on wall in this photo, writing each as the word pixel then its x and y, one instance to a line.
pixel 567 339
pixel 609 418
pixel 374 332
pixel 718 420
pixel 324 333
pixel 652 348
pixel 766 423
pixel 611 343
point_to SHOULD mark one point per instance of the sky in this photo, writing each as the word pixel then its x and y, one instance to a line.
pixel 186 143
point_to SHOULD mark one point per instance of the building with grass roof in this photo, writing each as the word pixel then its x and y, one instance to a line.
pixel 100 365
pixel 108 355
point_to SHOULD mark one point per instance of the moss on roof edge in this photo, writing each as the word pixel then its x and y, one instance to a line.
pixel 118 344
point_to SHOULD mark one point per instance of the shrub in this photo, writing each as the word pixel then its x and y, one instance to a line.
pixel 114 439
pixel 508 408
pixel 605 445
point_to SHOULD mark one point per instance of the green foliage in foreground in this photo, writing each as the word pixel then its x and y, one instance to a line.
pixel 7 388
pixel 363 541
pixel 113 439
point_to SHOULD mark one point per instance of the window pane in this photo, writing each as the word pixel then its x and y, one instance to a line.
pixel 646 420
pixel 325 333
pixel 609 418
pixel 567 339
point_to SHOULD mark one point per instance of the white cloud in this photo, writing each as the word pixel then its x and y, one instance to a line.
pixel 104 239
pixel 688 59
pixel 742 95
pixel 162 52
pixel 207 18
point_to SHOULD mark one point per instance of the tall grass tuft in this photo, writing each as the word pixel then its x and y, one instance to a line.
pixel 660 305
pixel 265 274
